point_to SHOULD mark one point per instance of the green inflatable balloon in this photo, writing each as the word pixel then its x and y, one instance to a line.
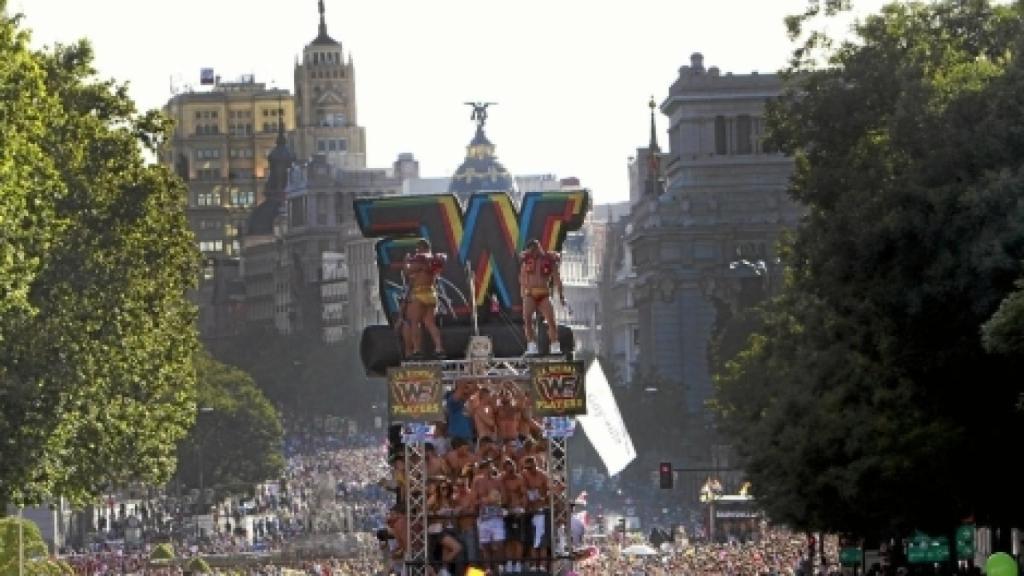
pixel 1001 564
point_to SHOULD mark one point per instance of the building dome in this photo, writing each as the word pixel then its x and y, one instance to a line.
pixel 480 171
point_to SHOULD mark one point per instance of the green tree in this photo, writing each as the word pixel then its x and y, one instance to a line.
pixel 237 439
pixel 867 402
pixel 96 333
pixel 33 549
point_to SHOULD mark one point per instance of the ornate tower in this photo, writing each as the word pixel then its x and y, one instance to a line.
pixel 325 104
pixel 480 171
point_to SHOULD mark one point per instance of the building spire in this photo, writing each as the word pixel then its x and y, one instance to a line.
pixel 654 134
pixel 323 23
pixel 655 184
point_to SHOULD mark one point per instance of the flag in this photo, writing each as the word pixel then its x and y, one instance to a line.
pixel 206 76
pixel 603 423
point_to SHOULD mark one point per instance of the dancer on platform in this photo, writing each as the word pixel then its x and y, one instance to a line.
pixel 422 270
pixel 538 274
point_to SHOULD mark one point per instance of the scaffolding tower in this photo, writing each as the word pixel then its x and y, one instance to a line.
pixel 480 366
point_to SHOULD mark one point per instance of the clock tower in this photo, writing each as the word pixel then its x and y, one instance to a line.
pixel 325 104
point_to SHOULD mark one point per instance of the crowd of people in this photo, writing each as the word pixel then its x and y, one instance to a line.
pixel 775 553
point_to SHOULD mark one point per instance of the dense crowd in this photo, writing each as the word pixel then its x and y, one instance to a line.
pixel 775 553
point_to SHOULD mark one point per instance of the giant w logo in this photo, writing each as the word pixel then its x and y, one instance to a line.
pixel 488 235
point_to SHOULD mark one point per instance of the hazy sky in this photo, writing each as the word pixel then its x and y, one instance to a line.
pixel 572 78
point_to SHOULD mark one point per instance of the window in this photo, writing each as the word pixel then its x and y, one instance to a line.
pixel 331 145
pixel 211 246
pixel 340 206
pixel 243 198
pixel 241 153
pixel 721 143
pixel 744 141
pixel 207 153
pixel 297 211
pixel 207 199
pixel 241 174
pixel 321 211
pixel 210 173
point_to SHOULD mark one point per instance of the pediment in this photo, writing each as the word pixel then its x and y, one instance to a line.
pixel 330 97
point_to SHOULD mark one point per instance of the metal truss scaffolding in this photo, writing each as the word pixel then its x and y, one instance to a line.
pixel 416 506
pixel 515 369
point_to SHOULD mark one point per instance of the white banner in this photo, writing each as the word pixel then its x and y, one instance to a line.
pixel 603 423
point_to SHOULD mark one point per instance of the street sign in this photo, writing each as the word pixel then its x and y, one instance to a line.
pixel 925 549
pixel 850 557
pixel 965 542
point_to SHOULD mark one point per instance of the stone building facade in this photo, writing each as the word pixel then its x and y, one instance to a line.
pixel 702 246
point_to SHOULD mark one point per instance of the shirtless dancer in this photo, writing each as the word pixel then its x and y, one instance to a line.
pixel 538 271
pixel 506 417
pixel 517 521
pixel 488 490
pixel 420 305
pixel 537 508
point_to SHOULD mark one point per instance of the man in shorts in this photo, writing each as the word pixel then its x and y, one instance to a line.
pixel 538 273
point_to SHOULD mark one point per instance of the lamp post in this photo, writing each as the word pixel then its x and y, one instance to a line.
pixel 200 439
pixel 21 542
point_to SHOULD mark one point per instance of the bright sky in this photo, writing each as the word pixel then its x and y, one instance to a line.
pixel 572 78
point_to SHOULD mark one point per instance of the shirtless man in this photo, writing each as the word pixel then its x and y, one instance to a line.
pixel 465 514
pixel 459 460
pixel 529 427
pixel 421 271
pixel 537 507
pixel 516 521
pixel 538 271
pixel 481 409
pixel 536 448
pixel 437 468
pixel 488 490
pixel 506 416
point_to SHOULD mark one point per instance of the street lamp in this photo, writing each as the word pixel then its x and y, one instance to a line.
pixel 200 439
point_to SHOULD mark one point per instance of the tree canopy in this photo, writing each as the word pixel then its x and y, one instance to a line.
pixel 867 402
pixel 33 550
pixel 96 332
pixel 237 439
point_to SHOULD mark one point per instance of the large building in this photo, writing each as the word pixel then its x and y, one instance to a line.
pixel 700 241
pixel 325 104
pixel 226 138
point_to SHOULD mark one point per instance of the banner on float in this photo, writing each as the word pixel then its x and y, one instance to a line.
pixel 557 389
pixel 415 393
pixel 603 423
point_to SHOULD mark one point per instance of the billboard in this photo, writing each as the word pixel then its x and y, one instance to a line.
pixel 556 389
pixel 415 394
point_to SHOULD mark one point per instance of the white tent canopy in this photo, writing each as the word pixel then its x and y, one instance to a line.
pixel 639 550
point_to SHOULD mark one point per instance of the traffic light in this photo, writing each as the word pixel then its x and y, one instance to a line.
pixel 665 475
